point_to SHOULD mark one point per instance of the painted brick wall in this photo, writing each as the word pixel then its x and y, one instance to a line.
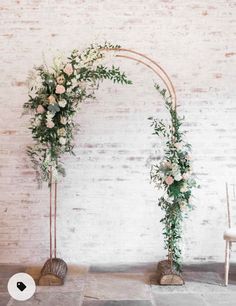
pixel 107 207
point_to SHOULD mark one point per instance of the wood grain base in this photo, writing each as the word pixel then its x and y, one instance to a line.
pixel 53 273
pixel 167 276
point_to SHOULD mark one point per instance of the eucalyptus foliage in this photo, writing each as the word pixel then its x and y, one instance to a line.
pixel 54 100
pixel 173 175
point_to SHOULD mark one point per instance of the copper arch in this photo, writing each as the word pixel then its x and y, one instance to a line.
pixel 151 64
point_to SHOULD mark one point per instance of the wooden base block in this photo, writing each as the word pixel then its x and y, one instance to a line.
pixel 53 273
pixel 167 276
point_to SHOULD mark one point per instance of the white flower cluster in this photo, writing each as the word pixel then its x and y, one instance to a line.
pixel 48 163
pixel 34 82
pixel 88 57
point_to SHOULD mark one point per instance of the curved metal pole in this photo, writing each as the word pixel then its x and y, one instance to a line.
pixel 168 83
pixel 145 64
pixel 165 78
pixel 159 70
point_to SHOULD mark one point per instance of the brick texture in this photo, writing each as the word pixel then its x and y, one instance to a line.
pixel 107 207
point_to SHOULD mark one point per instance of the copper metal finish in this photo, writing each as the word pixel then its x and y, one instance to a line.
pixel 145 64
pixel 50 214
pixel 55 219
pixel 157 69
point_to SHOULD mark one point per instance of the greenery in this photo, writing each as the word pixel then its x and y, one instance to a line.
pixel 173 174
pixel 54 99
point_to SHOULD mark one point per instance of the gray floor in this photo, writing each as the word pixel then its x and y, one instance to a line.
pixel 128 285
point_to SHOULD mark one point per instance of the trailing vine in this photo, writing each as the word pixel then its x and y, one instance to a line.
pixel 173 174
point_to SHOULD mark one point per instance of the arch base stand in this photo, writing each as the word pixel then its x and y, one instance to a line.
pixel 167 276
pixel 53 272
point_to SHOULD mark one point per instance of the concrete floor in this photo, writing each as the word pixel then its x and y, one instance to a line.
pixel 127 285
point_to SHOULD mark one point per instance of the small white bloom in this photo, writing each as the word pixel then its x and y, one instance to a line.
pixel 175 167
pixel 62 141
pixel 62 103
pixel 178 177
pixel 184 188
pixel 161 175
pixel 186 175
pixel 49 116
pixel 37 121
pixel 34 82
pixel 61 132
pixel 69 120
pixel 58 61
pixel 54 173
pixel 74 83
pixel 168 198
pixel 183 205
pixel 63 120
pixel 188 157
pixel 88 57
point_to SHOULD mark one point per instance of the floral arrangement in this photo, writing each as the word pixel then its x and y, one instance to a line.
pixel 55 95
pixel 54 100
pixel 173 174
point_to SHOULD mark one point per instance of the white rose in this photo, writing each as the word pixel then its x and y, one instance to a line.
pixel 61 132
pixel 178 177
pixel 62 103
pixel 62 140
pixel 175 168
pixel 63 120
pixel 37 121
pixel 74 83
pixel 69 120
pixel 49 116
pixel 184 188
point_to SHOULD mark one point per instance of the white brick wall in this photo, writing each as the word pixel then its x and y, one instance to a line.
pixel 107 207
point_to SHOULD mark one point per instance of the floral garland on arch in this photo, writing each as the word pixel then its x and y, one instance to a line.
pixel 55 95
pixel 173 175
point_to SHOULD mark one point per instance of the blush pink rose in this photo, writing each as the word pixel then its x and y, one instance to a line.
pixel 60 89
pixel 40 109
pixel 169 180
pixel 68 69
pixel 178 145
pixel 50 124
pixel 186 175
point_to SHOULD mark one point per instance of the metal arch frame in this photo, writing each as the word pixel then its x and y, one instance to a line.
pixel 159 71
pixel 149 63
